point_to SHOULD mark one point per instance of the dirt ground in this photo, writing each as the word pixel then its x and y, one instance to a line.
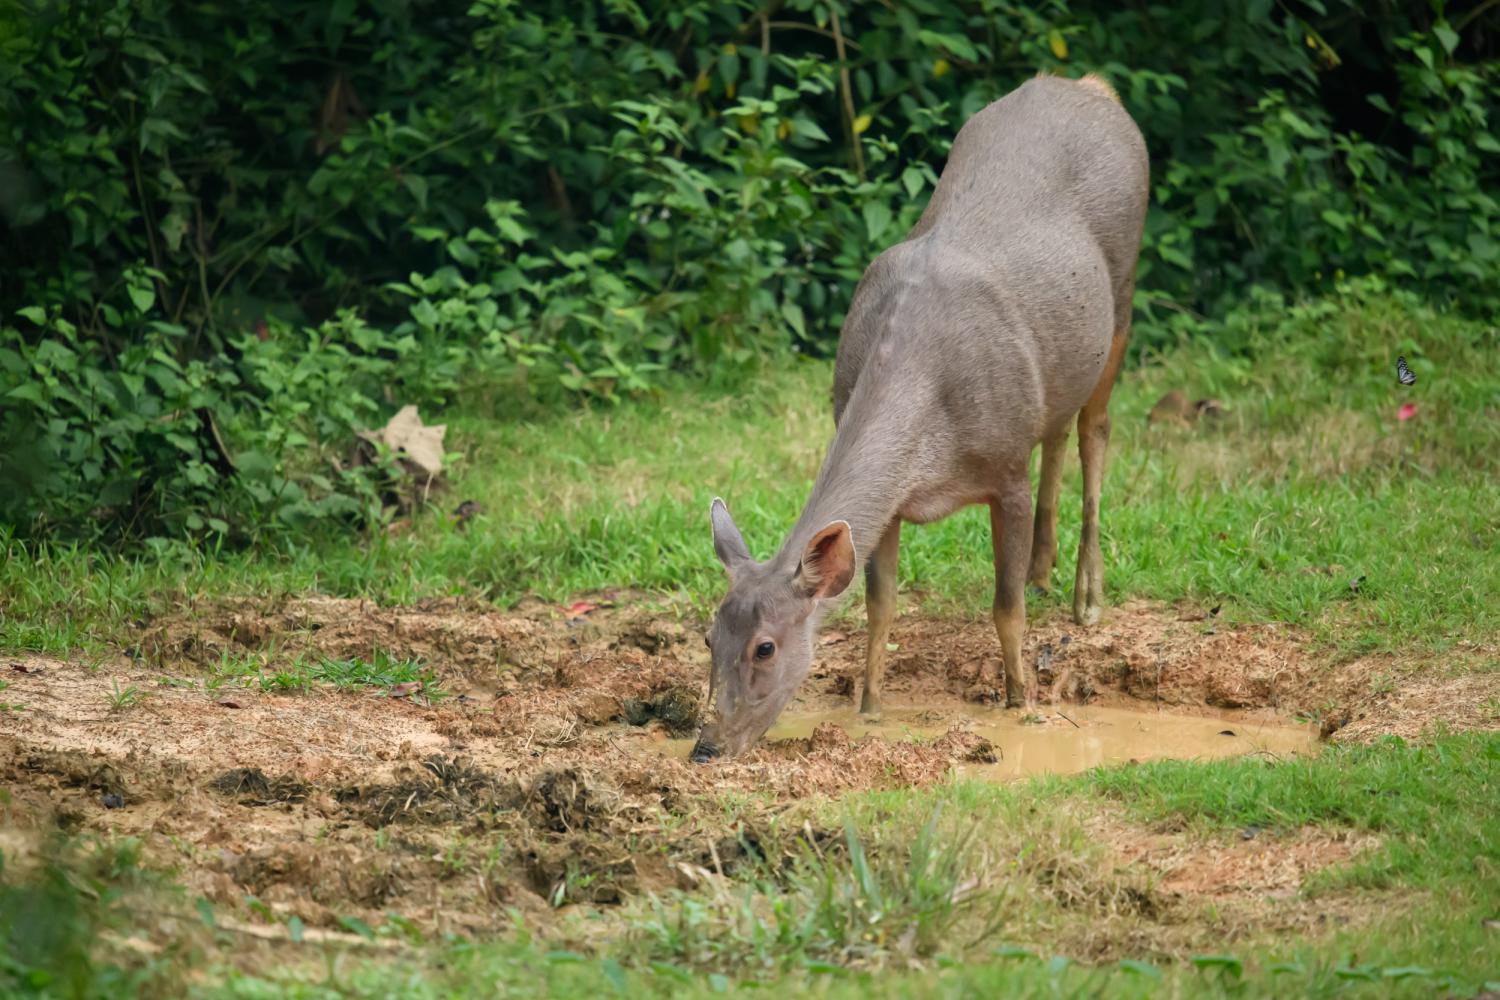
pixel 540 777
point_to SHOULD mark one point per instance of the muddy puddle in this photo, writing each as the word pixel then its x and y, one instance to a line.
pixel 1049 742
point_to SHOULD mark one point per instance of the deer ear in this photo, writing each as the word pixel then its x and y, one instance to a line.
pixel 828 561
pixel 729 545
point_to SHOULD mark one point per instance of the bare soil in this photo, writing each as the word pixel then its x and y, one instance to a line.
pixel 538 779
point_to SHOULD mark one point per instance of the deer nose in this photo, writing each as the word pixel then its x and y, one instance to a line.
pixel 703 752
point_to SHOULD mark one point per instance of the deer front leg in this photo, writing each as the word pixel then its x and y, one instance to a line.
pixel 880 609
pixel 1010 533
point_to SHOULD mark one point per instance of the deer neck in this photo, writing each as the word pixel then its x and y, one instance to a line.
pixel 865 475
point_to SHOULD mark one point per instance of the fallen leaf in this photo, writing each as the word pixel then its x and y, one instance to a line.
pixel 579 608
pixel 405 688
pixel 400 526
pixel 22 668
pixel 1407 411
pixel 891 647
pixel 829 638
pixel 1226 732
pixel 421 446
pixel 226 703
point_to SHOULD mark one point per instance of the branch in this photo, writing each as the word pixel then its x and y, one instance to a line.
pixel 838 41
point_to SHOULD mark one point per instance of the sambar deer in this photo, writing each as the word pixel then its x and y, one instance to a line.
pixel 1001 316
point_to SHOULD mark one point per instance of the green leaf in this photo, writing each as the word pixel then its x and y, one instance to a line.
pixel 1446 36
pixel 793 313
pixel 877 219
pixel 417 185
pixel 912 180
pixel 614 973
pixel 27 390
pixel 1407 972
pixel 357 926
pixel 1227 963
pixel 294 929
pixel 142 296
pixel 460 251
pixel 36 314
pixel 1140 968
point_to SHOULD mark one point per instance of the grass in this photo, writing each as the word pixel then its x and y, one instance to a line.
pixel 120 700
pixel 1309 502
pixel 1308 484
pixel 265 670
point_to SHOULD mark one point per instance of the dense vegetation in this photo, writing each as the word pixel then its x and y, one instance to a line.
pixel 232 235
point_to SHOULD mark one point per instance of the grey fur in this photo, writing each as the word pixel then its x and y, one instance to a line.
pixel 997 321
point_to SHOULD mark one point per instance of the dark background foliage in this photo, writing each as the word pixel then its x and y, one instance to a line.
pixel 233 233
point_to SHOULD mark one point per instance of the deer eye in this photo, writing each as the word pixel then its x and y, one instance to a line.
pixel 765 650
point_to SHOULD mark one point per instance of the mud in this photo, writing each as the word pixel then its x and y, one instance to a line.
pixel 1052 740
pixel 551 772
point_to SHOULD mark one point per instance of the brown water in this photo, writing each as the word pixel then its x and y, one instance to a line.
pixel 1094 736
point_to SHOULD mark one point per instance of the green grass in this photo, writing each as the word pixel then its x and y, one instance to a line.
pixel 1309 483
pixel 957 890
pixel 265 670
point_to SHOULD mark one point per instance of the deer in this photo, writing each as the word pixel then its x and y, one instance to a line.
pixel 1000 318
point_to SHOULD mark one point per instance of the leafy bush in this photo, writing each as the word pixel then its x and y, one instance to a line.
pixel 233 236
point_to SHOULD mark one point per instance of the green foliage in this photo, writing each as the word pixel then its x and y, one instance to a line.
pixel 1422 798
pixel 855 906
pixel 54 913
pixel 232 237
pixel 608 496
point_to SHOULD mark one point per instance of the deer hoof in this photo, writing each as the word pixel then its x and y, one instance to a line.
pixel 1086 614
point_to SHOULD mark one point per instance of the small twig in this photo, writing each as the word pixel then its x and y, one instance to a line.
pixel 1158 679
pixel 1075 725
pixel 848 88
pixel 1472 15
pixel 799 26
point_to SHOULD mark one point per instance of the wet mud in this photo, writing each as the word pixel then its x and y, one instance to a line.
pixel 545 765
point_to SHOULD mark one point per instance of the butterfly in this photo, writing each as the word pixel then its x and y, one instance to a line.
pixel 1404 374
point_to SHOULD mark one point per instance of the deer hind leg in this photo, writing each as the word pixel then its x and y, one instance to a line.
pixel 1010 532
pixel 1093 440
pixel 1044 534
pixel 880 609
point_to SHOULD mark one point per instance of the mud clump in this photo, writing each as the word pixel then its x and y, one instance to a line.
pixel 445 790
pixel 567 800
pixel 251 787
pixel 971 748
pixel 828 737
pixel 78 770
pixel 676 708
pixel 654 637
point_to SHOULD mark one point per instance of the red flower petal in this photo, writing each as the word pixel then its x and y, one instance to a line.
pixel 1407 411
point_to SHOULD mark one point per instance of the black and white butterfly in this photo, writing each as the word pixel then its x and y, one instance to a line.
pixel 1403 373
